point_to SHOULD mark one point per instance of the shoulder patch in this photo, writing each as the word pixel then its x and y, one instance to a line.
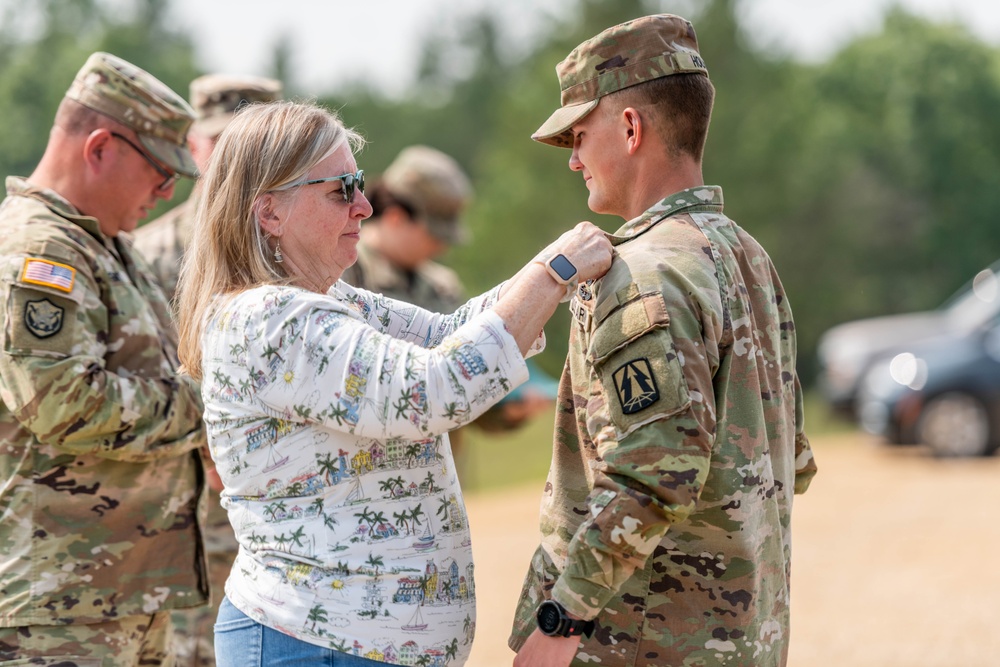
pixel 43 318
pixel 48 274
pixel 635 386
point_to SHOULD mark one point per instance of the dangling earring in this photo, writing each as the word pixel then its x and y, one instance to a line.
pixel 278 257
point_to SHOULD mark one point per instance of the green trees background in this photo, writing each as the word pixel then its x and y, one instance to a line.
pixel 872 177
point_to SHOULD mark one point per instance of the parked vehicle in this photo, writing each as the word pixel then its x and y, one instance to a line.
pixel 847 350
pixel 944 393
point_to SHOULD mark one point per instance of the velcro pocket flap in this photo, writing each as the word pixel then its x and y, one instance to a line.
pixel 633 354
pixel 627 323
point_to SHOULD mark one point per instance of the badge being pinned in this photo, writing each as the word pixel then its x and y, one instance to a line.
pixel 49 274
pixel 635 386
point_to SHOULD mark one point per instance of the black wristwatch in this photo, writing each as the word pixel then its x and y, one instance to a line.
pixel 553 621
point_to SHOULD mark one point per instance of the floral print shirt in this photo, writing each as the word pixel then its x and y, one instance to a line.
pixel 327 416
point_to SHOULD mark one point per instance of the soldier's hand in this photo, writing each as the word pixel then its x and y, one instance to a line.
pixel 544 651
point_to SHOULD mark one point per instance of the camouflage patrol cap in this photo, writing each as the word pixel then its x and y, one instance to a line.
pixel 624 55
pixel 138 100
pixel 435 186
pixel 216 97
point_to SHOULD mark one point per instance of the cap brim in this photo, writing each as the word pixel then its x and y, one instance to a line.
pixel 449 230
pixel 212 126
pixel 176 157
pixel 556 130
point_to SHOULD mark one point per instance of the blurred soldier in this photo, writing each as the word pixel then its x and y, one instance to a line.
pixel 215 98
pixel 100 476
pixel 666 519
pixel 417 204
pixel 417 216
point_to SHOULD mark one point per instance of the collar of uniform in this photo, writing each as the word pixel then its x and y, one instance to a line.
pixel 379 273
pixel 20 187
pixel 704 198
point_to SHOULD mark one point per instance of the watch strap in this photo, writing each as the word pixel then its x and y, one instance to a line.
pixel 566 626
pixel 579 627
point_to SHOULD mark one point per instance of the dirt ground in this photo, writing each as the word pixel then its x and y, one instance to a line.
pixel 894 560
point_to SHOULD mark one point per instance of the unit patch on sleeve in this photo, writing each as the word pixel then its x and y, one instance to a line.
pixel 635 386
pixel 43 318
pixel 48 274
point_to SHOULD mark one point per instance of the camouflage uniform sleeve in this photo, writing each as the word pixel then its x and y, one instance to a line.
pixel 445 286
pixel 54 374
pixel 653 361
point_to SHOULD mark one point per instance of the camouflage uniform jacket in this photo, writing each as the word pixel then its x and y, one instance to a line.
pixel 666 514
pixel 99 476
pixel 163 241
pixel 432 286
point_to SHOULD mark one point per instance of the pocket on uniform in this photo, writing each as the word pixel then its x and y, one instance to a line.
pixel 634 357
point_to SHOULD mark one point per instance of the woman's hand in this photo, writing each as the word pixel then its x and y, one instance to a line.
pixel 587 247
pixel 528 299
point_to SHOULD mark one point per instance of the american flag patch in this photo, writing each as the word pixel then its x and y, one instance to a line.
pixel 49 274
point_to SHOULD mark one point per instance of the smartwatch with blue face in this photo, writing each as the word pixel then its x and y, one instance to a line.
pixel 561 269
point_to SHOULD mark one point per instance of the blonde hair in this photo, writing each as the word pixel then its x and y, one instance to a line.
pixel 265 147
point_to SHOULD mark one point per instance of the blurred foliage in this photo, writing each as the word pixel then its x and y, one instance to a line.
pixel 869 177
pixel 42 46
pixel 492 461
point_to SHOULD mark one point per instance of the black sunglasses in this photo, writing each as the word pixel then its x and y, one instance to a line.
pixel 168 177
pixel 351 181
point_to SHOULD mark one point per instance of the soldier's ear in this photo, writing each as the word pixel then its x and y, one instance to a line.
pixel 96 149
pixel 633 122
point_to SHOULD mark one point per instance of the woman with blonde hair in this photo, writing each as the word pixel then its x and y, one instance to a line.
pixel 327 408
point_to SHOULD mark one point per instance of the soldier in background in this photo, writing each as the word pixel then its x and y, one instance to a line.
pixel 417 206
pixel 417 215
pixel 679 441
pixel 215 97
pixel 100 473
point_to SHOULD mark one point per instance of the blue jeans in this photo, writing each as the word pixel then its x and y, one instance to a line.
pixel 241 641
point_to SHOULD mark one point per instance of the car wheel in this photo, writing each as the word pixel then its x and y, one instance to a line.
pixel 955 424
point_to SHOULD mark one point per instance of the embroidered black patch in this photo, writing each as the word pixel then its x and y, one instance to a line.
pixel 636 386
pixel 43 318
